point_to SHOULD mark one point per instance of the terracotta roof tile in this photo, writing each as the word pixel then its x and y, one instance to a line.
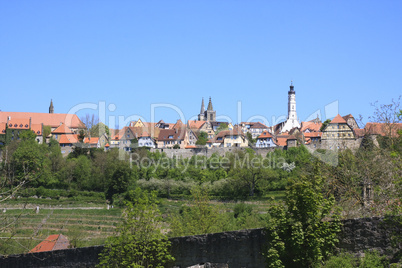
pixel 19 123
pixel 68 139
pixel 383 129
pixel 312 134
pixel 37 129
pixel 313 126
pixel 92 140
pixel 52 242
pixel 53 120
pixel 62 129
pixel 338 120
pixel 195 124
pixel 265 134
pixel 2 128
pixel 174 134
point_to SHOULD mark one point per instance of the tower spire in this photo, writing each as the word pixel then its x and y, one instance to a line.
pixel 202 106
pixel 210 105
pixel 51 108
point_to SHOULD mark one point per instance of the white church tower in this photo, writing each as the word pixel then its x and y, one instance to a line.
pixel 291 121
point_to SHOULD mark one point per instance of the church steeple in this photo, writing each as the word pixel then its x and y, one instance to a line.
pixel 202 107
pixel 210 105
pixel 51 108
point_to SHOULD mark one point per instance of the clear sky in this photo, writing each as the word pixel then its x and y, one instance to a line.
pixel 130 55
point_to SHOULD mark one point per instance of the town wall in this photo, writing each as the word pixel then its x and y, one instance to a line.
pixel 230 249
pixel 188 153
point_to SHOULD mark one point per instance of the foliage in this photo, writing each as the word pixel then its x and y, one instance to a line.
pixel 99 129
pixel 202 138
pixel 371 259
pixel 199 217
pixel 46 131
pixel 303 233
pixel 221 127
pixel 250 139
pixel 325 124
pixel 139 241
pixel 176 146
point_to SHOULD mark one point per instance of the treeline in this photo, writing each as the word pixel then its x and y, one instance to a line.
pixel 239 175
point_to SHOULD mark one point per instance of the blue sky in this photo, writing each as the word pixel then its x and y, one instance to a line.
pixel 132 54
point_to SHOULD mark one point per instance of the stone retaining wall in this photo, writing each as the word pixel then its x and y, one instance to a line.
pixel 229 249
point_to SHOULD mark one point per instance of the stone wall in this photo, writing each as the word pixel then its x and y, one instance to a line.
pixel 230 249
pixel 188 153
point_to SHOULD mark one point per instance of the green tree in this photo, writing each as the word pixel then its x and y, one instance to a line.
pixel 326 122
pixel 221 127
pixel 304 232
pixel 202 138
pixel 250 139
pixel 99 129
pixel 139 241
pixel 199 217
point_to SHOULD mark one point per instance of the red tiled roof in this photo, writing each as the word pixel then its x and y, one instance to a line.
pixel 179 124
pixel 37 129
pixel 312 134
pixel 359 132
pixel 175 134
pixel 62 129
pixel 265 134
pixel 310 125
pixel 258 125
pixel 53 120
pixel 338 120
pixel 68 138
pixel 383 129
pixel 2 128
pixel 346 117
pixel 52 242
pixel 92 140
pixel 145 134
pixel 190 147
pixel 18 123
pixel 281 141
pixel 107 145
pixel 195 124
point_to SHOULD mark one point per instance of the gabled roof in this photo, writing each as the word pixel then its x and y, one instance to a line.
pixel 52 242
pixel 281 140
pixel 179 124
pixel 62 129
pixel 68 139
pixel 53 120
pixel 383 129
pixel 107 145
pixel 195 124
pixel 313 126
pixel 174 134
pixel 91 140
pixel 265 135
pixel 258 125
pixel 338 120
pixel 144 135
pixel 37 129
pixel 346 117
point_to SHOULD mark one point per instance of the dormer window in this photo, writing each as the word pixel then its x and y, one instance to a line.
pixel 15 125
pixel 26 125
pixel 21 125
pixel 10 125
